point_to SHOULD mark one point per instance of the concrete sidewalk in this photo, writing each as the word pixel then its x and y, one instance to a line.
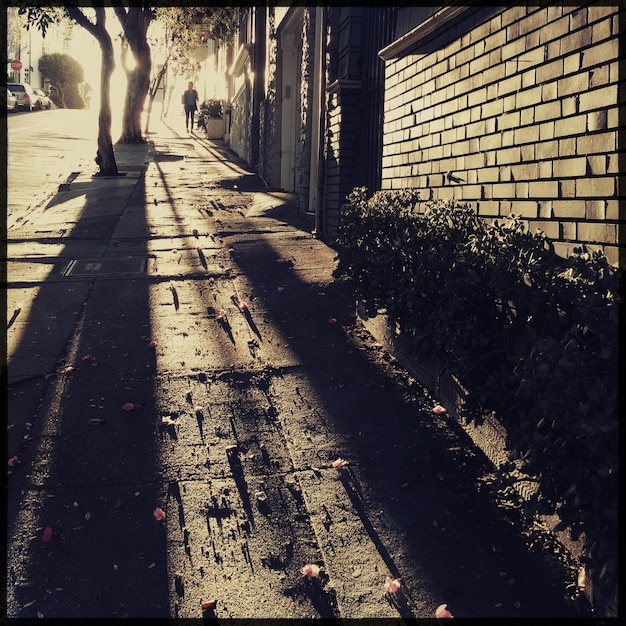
pixel 180 343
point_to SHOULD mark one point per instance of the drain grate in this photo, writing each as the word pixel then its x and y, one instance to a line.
pixel 103 267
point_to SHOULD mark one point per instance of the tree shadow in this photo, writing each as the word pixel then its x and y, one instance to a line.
pixel 89 470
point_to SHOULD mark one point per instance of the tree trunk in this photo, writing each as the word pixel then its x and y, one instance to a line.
pixel 135 22
pixel 105 157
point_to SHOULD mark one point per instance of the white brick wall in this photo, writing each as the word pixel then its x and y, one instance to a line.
pixel 523 109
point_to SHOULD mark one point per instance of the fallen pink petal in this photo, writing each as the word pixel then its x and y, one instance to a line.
pixel 48 534
pixel 392 585
pixel 89 357
pixel 442 611
pixel 153 344
pixel 129 406
pixel 243 306
pixel 439 409
pixel 221 315
pixel 339 463
pixel 13 461
pixel 280 289
pixel 159 514
pixel 207 606
pixel 332 320
pixel 195 232
pixel 311 570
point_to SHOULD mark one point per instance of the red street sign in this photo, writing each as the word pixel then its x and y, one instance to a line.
pixel 16 65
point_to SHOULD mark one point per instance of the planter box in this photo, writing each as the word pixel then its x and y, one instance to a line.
pixel 215 128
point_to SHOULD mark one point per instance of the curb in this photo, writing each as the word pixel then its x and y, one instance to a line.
pixel 489 437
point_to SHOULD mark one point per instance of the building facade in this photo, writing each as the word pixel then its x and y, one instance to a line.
pixel 514 110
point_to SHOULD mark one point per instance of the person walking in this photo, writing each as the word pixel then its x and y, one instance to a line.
pixel 190 102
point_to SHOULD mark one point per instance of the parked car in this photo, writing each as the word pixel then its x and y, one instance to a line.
pixel 26 97
pixel 11 101
pixel 43 101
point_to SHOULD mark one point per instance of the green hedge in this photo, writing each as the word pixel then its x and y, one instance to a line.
pixel 533 337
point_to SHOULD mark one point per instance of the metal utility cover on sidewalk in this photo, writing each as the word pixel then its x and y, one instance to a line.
pixel 89 267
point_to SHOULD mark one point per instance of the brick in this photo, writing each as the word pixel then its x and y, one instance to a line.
pixel 495 40
pixel 492 108
pixel 596 164
pixel 567 230
pixel 574 84
pixel 597 143
pixel 575 41
pixel 565 168
pixel 595 209
pixel 546 131
pixel 528 152
pixel 503 190
pixel 532 40
pixel 598 98
pixel 513 49
pixel 509 120
pixel 612 164
pixel 537 18
pixel 524 209
pixel 509 85
pixel 572 63
pixel 475 161
pixel 558 27
pixel 544 189
pixel 597 232
pixel 504 173
pixel 512 14
pixel 525 171
pixel 598 12
pixel 477 96
pixel 569 209
pixel 615 255
pixel 595 187
pixel 526 134
pixel 508 155
pixel 521 190
pixel 471 192
pixel 568 126
pixel 567 147
pixel 491 207
pixel 545 169
pixel 599 76
pixel 550 229
pixel 578 18
pixel 613 210
pixel 550 71
pixel 569 106
pixel 529 78
pixel 477 129
pixel 545 209
pixel 547 150
pixel 567 188
pixel 562 249
pixel 547 111
pixel 601 53
pixel 488 175
pixel 527 118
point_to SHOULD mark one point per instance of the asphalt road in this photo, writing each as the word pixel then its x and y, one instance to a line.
pixel 43 149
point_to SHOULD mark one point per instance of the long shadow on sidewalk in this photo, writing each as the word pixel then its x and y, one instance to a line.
pixel 83 541
pixel 422 474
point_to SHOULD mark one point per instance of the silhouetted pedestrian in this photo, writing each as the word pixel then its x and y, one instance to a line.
pixel 190 102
